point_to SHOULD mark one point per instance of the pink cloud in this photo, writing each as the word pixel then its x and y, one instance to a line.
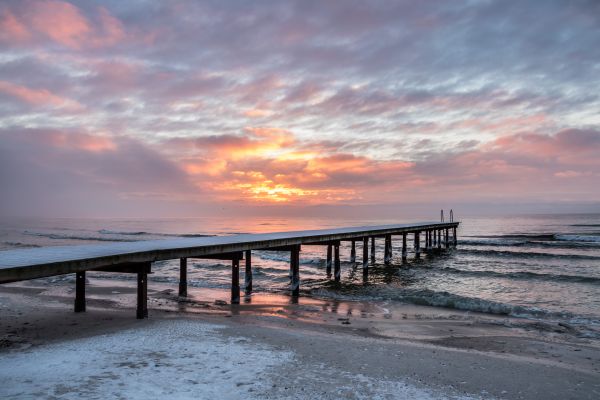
pixel 60 22
pixel 37 97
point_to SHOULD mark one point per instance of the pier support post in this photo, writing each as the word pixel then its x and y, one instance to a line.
pixel 80 291
pixel 387 250
pixel 295 269
pixel 235 281
pixel 329 257
pixel 373 249
pixel 337 273
pixel 417 244
pixel 365 256
pixel 183 277
pixel 446 238
pixel 142 295
pixel 404 248
pixel 439 242
pixel 434 242
pixel 248 275
pixel 353 252
pixel 454 236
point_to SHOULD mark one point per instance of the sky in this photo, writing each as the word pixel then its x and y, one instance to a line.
pixel 196 108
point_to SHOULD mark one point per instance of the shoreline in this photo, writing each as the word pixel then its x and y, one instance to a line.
pixel 36 315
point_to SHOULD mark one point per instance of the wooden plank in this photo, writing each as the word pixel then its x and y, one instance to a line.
pixel 127 268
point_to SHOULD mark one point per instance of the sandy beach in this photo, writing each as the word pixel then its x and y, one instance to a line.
pixel 273 347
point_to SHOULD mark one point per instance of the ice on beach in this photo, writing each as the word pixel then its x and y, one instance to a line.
pixel 181 359
pixel 177 359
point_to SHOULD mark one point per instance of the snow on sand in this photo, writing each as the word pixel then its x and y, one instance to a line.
pixel 176 359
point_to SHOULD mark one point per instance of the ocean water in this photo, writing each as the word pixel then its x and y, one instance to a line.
pixel 544 267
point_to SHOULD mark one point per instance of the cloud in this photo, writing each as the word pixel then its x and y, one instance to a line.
pixel 301 102
pixel 63 23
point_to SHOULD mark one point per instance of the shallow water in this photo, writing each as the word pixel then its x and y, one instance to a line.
pixel 538 266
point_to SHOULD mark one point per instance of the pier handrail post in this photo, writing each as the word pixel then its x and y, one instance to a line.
pixel 235 281
pixel 295 269
pixel 80 291
pixel 183 277
pixel 337 273
pixel 248 272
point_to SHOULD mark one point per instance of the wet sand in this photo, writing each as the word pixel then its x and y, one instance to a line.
pixel 273 347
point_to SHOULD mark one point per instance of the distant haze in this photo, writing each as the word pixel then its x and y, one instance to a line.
pixel 185 108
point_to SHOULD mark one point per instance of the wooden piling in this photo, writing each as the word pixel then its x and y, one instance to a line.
pixel 365 256
pixel 248 275
pixel 454 236
pixel 446 238
pixel 417 244
pixel 404 248
pixel 439 242
pixel 142 294
pixel 235 281
pixel 373 249
pixel 295 269
pixel 387 256
pixel 337 273
pixel 80 291
pixel 183 277
pixel 353 252
pixel 329 257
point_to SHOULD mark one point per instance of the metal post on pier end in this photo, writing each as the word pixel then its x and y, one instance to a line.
pixel 353 252
pixel 183 277
pixel 329 257
pixel 439 242
pixel 373 249
pixel 80 291
pixel 248 274
pixel 365 256
pixel 142 294
pixel 446 238
pixel 417 244
pixel 235 281
pixel 337 273
pixel 295 269
pixel 404 249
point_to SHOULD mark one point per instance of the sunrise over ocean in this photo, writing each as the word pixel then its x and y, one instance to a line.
pixel 300 199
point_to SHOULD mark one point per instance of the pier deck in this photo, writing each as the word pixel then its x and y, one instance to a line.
pixel 136 257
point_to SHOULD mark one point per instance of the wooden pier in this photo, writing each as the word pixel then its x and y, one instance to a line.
pixel 137 257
